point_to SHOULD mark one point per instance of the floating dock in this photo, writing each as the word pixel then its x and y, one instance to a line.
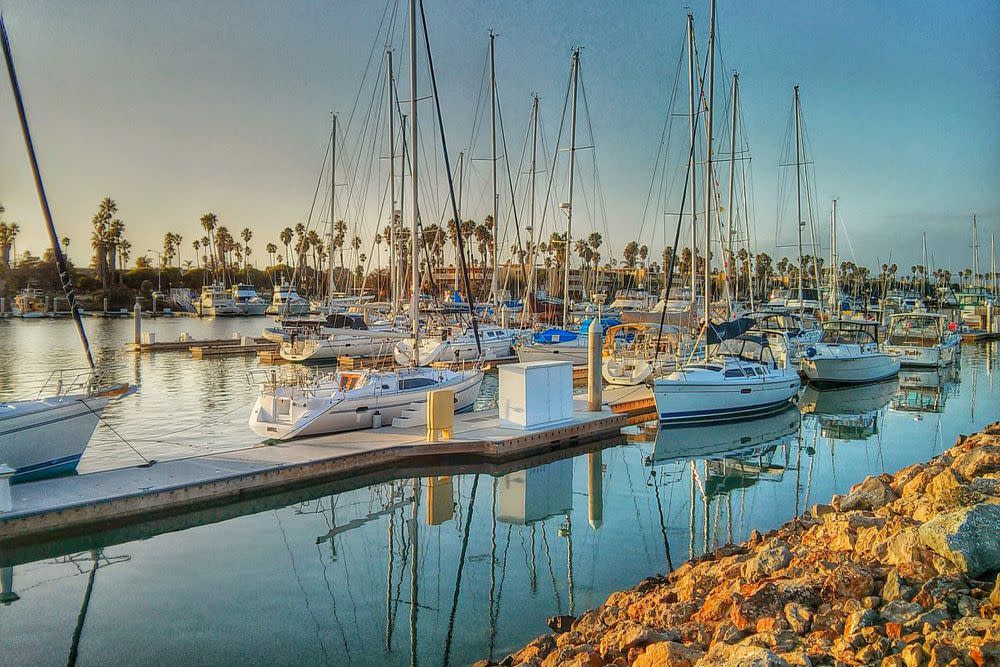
pixel 110 499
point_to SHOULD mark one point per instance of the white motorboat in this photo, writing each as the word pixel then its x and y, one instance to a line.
pixel 748 376
pixel 29 303
pixel 848 353
pixel 457 345
pixel 247 301
pixel 342 335
pixel 286 301
pixel 352 400
pixel 47 435
pixel 922 339
pixel 632 299
pixel 216 301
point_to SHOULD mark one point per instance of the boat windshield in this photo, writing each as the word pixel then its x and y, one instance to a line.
pixel 848 333
pixel 748 348
pixel 917 331
pixel 349 381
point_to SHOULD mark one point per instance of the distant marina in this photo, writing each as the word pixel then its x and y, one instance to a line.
pixel 391 433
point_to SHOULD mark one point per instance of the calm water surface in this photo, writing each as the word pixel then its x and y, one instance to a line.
pixel 444 568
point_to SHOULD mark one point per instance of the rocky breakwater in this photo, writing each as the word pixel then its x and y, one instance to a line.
pixel 900 571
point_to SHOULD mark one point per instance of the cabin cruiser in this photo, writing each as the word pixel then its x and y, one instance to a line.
pixel 747 376
pixel 216 301
pixel 286 301
pixel 456 344
pixel 247 301
pixel 29 303
pixel 341 335
pixel 848 353
pixel 633 353
pixel 922 339
pixel 808 301
pixel 47 435
pixel 676 308
pixel 352 400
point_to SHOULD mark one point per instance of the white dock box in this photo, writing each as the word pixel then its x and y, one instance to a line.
pixel 535 394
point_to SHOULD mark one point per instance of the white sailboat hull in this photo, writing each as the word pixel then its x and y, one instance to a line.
pixel 46 437
pixel 679 401
pixel 352 344
pixel 431 350
pixel 571 351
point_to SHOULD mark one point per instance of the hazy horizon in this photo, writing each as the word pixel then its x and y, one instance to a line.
pixel 178 109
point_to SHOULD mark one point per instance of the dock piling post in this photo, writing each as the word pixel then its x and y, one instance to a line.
pixel 105 305
pixel 137 332
pixel 595 336
pixel 6 503
pixel 3 305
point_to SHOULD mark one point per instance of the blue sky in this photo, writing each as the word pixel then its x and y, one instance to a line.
pixel 175 109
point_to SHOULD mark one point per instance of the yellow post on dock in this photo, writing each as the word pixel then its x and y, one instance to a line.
pixel 440 414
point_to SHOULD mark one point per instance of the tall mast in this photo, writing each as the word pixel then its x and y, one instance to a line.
pixel 710 99
pixel 730 262
pixel 692 115
pixel 458 223
pixel 923 273
pixel 391 138
pixel 798 189
pixel 531 218
pixel 493 163
pixel 572 166
pixel 975 252
pixel 65 277
pixel 333 199
pixel 414 211
pixel 834 261
pixel 993 262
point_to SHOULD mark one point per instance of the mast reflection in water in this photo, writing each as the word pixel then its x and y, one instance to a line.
pixel 453 564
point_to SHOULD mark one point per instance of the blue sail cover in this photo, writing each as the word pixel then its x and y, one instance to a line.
pixel 555 336
pixel 726 330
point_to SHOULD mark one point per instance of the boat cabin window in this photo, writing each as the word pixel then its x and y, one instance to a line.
pixel 920 331
pixel 847 334
pixel 416 383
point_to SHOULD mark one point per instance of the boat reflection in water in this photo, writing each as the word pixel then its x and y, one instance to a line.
pixel 849 413
pixel 925 391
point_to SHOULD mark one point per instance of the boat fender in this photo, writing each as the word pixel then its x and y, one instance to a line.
pixel 811 352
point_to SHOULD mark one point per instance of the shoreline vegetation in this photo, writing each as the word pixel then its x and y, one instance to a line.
pixel 211 252
pixel 900 571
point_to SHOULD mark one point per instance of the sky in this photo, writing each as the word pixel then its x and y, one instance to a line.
pixel 175 109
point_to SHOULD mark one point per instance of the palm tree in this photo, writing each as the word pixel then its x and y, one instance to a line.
pixel 270 249
pixel 286 238
pixel 630 253
pixel 209 222
pixel 196 244
pixel 8 233
pixel 246 235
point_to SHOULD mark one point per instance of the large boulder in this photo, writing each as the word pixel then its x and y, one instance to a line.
pixel 967 537
pixel 870 494
pixel 741 655
pixel 669 653
pixel 767 561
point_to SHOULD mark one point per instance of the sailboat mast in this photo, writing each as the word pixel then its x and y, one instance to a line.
pixel 730 262
pixel 975 252
pixel 493 163
pixel 993 262
pixel 531 218
pixel 458 223
pixel 693 101
pixel 923 273
pixel 710 99
pixel 798 190
pixel 572 165
pixel 64 275
pixel 834 260
pixel 390 115
pixel 414 211
pixel 333 199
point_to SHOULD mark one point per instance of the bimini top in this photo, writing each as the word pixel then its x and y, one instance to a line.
pixel 346 321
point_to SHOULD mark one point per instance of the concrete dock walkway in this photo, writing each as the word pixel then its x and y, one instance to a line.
pixel 114 497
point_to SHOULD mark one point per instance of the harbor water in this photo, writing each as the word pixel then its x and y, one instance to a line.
pixel 449 567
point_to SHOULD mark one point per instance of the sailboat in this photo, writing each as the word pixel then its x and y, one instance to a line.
pixel 47 434
pixel 745 376
pixel 456 344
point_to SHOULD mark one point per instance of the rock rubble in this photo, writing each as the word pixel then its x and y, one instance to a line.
pixel 900 571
